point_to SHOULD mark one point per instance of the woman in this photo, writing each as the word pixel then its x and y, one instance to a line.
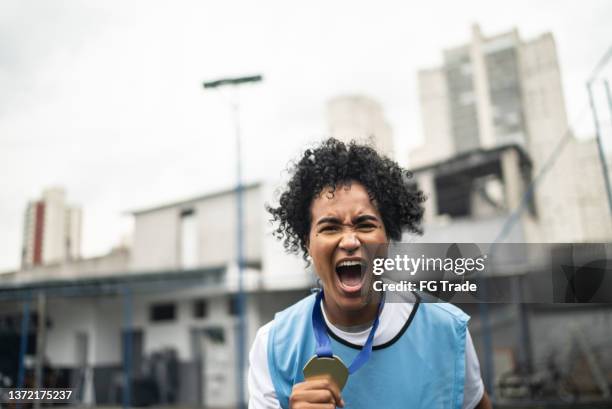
pixel 342 202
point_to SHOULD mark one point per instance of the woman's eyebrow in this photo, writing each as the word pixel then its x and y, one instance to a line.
pixel 359 219
pixel 365 218
pixel 328 219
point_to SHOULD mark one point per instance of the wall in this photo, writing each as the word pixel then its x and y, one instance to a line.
pixel 157 232
pixel 116 262
pixel 155 240
pixel 217 221
pixel 68 317
pixel 435 119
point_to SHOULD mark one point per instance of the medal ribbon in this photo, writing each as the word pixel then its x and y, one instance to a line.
pixel 324 349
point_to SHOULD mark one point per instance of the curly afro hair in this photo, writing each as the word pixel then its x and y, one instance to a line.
pixel 333 164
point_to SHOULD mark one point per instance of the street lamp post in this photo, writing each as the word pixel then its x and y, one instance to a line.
pixel 240 301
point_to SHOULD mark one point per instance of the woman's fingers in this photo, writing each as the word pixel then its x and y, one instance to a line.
pixel 324 383
pixel 315 396
pixel 305 405
pixel 316 391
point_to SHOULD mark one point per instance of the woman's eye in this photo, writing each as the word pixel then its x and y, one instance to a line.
pixel 366 226
pixel 329 228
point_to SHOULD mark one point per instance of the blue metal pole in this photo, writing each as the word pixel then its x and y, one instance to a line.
pixel 489 367
pixel 241 333
pixel 23 344
pixel 127 349
pixel 241 299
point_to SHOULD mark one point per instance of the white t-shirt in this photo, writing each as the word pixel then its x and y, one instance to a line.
pixel 393 317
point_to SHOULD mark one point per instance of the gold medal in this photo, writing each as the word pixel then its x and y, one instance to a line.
pixel 326 365
pixel 319 367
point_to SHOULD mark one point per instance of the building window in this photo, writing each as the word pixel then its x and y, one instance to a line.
pixel 215 335
pixel 188 239
pixel 232 305
pixel 163 312
pixel 200 309
pixel 453 194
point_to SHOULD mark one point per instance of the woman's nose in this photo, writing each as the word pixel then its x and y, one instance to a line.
pixel 350 242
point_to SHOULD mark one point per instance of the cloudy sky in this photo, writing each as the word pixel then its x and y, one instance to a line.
pixel 105 97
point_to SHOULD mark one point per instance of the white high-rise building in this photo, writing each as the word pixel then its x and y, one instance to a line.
pixel 360 118
pixel 52 230
pixel 503 90
pixel 492 91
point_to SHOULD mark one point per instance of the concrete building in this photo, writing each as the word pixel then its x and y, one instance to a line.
pixel 52 230
pixel 492 91
pixel 361 118
pixel 494 120
pixel 170 301
pixel 471 198
pixel 503 90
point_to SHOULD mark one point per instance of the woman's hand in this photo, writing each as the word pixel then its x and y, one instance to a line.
pixel 321 393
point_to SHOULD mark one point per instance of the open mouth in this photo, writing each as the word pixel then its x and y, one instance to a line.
pixel 351 274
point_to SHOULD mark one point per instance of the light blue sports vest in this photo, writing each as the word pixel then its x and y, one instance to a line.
pixel 422 367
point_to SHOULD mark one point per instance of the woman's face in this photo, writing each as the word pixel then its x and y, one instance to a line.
pixel 346 233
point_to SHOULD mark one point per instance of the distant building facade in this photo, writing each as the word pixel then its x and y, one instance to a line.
pixel 503 91
pixel 361 118
pixel 172 294
pixel 52 230
pixel 492 91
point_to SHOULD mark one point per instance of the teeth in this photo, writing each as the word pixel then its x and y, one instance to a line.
pixel 349 263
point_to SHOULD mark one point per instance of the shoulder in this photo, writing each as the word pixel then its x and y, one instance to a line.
pixel 261 337
pixel 281 323
pixel 449 310
pixel 438 318
pixel 259 348
pixel 305 304
pixel 280 326
pixel 288 339
pixel 292 320
pixel 442 310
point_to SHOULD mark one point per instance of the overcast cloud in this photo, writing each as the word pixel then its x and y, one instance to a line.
pixel 105 98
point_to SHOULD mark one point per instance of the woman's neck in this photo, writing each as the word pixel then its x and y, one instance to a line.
pixel 365 315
